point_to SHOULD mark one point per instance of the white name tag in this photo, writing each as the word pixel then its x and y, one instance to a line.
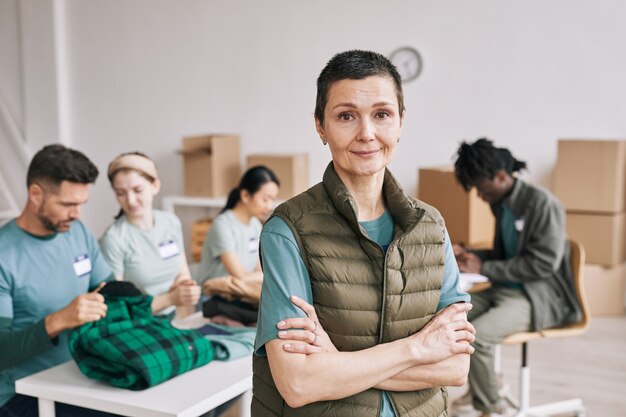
pixel 82 265
pixel 168 248
pixel 253 244
pixel 519 224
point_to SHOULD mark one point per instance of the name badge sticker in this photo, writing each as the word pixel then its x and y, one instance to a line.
pixel 253 245
pixel 519 224
pixel 82 265
pixel 168 248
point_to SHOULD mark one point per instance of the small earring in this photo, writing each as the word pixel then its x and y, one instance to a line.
pixel 324 142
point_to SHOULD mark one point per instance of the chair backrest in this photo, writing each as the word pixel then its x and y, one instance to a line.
pixel 577 261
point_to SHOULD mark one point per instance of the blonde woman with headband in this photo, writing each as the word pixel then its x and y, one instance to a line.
pixel 143 245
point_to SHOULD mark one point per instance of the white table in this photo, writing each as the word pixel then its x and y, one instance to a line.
pixel 188 395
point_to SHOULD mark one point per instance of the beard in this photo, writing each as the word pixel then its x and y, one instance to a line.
pixel 49 224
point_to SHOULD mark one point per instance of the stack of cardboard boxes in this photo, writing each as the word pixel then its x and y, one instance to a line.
pixel 469 220
pixel 211 165
pixel 590 181
pixel 212 168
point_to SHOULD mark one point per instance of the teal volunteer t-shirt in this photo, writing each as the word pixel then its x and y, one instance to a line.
pixel 41 275
pixel 281 258
pixel 229 234
pixel 150 259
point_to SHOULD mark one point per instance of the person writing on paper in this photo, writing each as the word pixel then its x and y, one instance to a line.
pixel 532 286
pixel 50 272
pixel 360 310
pixel 144 245
pixel 231 247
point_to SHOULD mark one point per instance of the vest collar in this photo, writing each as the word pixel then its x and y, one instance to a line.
pixel 404 211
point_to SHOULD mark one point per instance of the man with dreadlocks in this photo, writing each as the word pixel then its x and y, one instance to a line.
pixel 528 266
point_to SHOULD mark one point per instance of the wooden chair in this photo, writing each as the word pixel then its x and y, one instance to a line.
pixel 577 260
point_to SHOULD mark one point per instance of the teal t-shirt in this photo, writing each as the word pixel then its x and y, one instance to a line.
pixel 41 275
pixel 508 237
pixel 229 234
pixel 150 259
pixel 281 258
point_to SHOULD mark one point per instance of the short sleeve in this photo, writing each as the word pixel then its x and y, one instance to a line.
pixel 112 253
pixel 220 238
pixel 450 288
pixel 100 270
pixel 284 275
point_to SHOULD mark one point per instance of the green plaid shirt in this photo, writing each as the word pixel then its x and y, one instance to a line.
pixel 131 348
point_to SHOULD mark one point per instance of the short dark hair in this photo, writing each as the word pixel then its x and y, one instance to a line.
pixel 482 160
pixel 57 163
pixel 354 65
pixel 252 181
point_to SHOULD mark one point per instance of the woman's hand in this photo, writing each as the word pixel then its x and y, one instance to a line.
pixel 185 292
pixel 447 334
pixel 307 334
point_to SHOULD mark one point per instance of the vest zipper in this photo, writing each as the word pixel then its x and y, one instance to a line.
pixel 384 296
pixel 386 254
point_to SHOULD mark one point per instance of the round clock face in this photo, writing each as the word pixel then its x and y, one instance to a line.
pixel 408 62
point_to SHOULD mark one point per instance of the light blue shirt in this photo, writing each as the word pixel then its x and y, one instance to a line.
pixel 229 234
pixel 150 259
pixel 41 275
pixel 281 260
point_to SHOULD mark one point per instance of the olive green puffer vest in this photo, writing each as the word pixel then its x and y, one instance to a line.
pixel 362 296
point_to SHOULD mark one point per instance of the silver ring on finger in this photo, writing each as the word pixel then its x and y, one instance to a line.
pixel 315 340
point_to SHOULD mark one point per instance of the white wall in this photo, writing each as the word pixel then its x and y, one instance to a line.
pixel 11 167
pixel 141 74
pixel 33 109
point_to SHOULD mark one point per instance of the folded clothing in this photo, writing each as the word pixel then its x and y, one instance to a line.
pixel 231 288
pixel 131 348
pixel 233 342
pixel 236 310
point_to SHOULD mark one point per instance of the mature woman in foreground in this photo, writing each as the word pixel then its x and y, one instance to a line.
pixel 360 310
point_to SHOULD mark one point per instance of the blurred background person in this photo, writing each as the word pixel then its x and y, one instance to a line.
pixel 144 245
pixel 51 270
pixel 230 266
pixel 528 267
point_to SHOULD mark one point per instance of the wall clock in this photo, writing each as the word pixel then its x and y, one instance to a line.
pixel 408 62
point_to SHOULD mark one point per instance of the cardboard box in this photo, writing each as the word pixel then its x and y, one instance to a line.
pixel 199 229
pixel 590 175
pixel 469 220
pixel 211 165
pixel 292 171
pixel 480 245
pixel 602 235
pixel 604 288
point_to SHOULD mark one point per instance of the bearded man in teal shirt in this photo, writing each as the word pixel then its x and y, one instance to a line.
pixel 50 273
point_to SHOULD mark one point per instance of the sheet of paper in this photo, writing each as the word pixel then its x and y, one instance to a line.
pixel 467 280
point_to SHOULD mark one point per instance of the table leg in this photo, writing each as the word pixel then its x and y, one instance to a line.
pixel 245 404
pixel 46 408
